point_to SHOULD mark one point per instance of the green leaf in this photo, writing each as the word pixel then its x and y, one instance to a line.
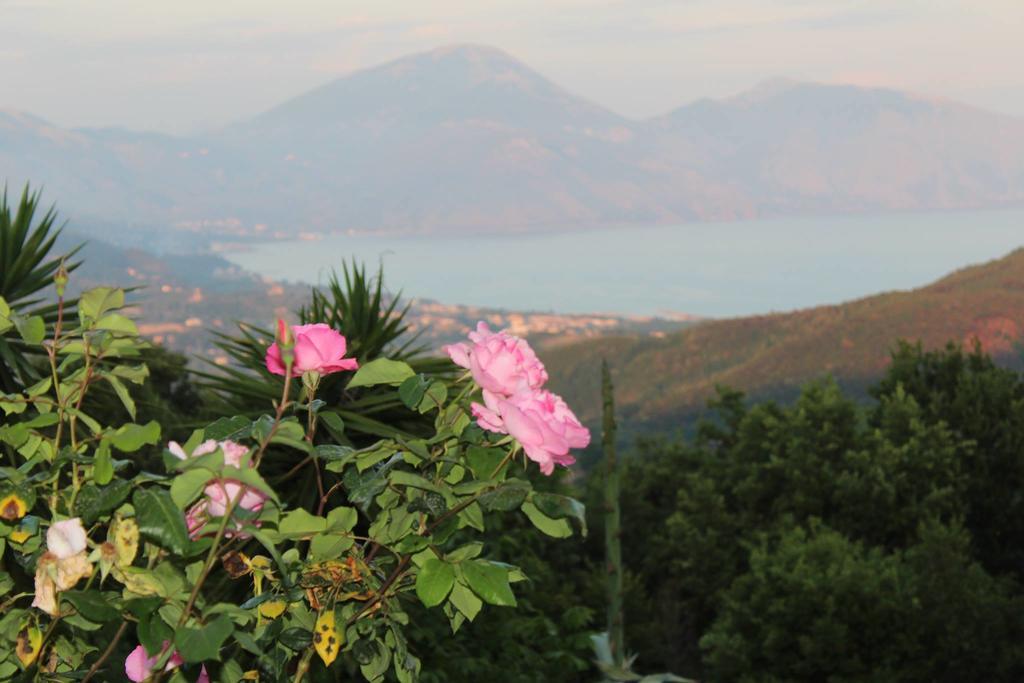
pixel 136 374
pixel 473 516
pixel 296 638
pixel 411 391
pixel 131 437
pixel 434 581
pixel 299 523
pixel 92 605
pixel 95 302
pixel 403 478
pixel 115 322
pixel 489 581
pixel 94 501
pixel 31 329
pixel 375 669
pixel 40 387
pixel 381 371
pixel 329 547
pixel 466 601
pixel 342 518
pixel 159 520
pixel 559 507
pixel 466 552
pixel 508 496
pixel 435 397
pixel 103 466
pixel 139 607
pixel 201 644
pixel 122 393
pixel 335 425
pixel 558 528
pixel 187 486
pixel 483 461
pixel 229 429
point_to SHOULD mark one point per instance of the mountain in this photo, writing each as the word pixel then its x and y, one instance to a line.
pixel 664 381
pixel 466 138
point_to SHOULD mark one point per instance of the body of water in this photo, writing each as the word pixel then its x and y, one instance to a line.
pixel 709 269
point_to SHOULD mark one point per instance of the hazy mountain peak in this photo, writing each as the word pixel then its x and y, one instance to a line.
pixel 766 90
pixel 465 137
pixel 449 83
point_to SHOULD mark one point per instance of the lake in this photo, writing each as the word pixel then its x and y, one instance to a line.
pixel 708 269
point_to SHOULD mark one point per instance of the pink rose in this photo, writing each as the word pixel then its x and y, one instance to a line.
pixel 138 667
pixel 540 421
pixel 501 363
pixel 318 348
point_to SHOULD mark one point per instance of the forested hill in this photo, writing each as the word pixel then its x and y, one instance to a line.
pixel 664 382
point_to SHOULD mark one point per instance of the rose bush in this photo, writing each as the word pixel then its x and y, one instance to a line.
pixel 122 557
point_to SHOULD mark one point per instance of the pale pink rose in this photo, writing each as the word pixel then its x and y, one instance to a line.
pixel 53 576
pixel 318 348
pixel 62 565
pixel 233 452
pixel 66 538
pixel 218 495
pixel 540 421
pixel 195 518
pixel 139 667
pixel 501 363
pixel 219 492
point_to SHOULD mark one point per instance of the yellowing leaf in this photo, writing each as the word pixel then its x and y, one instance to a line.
pixel 12 507
pixel 272 609
pixel 30 639
pixel 19 535
pixel 126 540
pixel 326 639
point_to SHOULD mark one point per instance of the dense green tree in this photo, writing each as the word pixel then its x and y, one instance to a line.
pixel 983 404
pixel 824 540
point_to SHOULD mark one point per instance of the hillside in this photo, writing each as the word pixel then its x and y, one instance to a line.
pixel 183 301
pixel 466 138
pixel 665 381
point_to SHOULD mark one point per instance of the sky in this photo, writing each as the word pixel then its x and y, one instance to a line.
pixel 181 66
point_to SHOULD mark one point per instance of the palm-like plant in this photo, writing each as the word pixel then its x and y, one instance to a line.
pixel 26 269
pixel 356 305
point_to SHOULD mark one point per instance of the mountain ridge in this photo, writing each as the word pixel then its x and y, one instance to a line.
pixel 666 381
pixel 467 138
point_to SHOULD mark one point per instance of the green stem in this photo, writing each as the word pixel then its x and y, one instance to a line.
pixel 303 667
pixel 612 526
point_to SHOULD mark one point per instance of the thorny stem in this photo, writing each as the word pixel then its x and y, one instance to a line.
pixel 51 352
pixel 211 556
pixel 310 433
pixel 73 428
pixel 281 406
pixel 106 653
pixel 388 582
pixel 504 461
